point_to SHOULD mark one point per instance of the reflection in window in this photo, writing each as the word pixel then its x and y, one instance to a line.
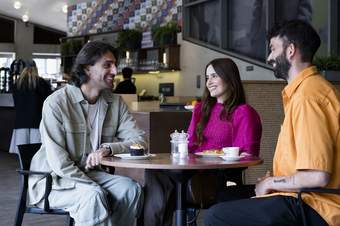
pixel 312 11
pixel 292 9
pixel 246 31
pixel 205 23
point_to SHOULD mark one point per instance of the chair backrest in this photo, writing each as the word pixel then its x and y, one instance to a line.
pixel 26 153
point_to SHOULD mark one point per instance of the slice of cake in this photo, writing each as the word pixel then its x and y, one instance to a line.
pixel 136 150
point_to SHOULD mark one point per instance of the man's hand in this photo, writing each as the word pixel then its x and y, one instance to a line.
pixel 292 183
pixel 263 186
pixel 268 174
pixel 95 157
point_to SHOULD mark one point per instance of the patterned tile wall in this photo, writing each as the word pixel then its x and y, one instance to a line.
pixel 112 15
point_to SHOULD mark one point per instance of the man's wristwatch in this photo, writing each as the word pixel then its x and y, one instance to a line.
pixel 107 147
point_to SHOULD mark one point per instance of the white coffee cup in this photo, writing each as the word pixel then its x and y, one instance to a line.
pixel 231 151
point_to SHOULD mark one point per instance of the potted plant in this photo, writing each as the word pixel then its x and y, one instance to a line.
pixel 329 67
pixel 129 40
pixel 76 45
pixel 65 48
pixel 71 47
pixel 165 35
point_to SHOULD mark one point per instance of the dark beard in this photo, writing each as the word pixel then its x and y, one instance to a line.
pixel 282 66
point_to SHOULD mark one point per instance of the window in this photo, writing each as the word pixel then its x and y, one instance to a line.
pixel 43 35
pixel 231 26
pixel 203 26
pixel 48 65
pixel 6 58
pixel 246 32
pixel 311 11
pixel 239 27
pixel 7 30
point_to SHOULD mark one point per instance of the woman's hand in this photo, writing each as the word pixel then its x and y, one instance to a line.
pixel 95 157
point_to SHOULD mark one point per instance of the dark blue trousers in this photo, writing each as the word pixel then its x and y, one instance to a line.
pixel 269 211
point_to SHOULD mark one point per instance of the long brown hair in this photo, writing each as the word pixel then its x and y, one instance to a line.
pixel 227 70
pixel 29 77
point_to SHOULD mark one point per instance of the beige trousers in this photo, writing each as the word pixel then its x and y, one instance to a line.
pixel 116 201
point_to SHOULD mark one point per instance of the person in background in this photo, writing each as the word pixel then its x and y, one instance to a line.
pixel 81 124
pixel 222 119
pixel 307 154
pixel 126 86
pixel 29 93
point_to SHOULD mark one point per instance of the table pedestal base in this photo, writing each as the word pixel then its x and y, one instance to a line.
pixel 181 178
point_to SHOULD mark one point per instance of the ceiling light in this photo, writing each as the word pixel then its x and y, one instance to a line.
pixel 25 18
pixel 64 9
pixel 17 5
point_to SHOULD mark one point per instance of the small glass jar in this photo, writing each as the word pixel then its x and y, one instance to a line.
pixel 179 144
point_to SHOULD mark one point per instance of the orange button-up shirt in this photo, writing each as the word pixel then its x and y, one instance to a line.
pixel 310 138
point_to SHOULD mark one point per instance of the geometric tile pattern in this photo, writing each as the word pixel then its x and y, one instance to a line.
pixel 113 15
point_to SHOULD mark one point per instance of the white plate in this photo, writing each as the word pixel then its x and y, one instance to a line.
pixel 231 158
pixel 209 155
pixel 128 156
pixel 189 107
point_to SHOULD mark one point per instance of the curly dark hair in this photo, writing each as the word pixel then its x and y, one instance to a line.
pixel 88 56
pixel 227 70
pixel 299 33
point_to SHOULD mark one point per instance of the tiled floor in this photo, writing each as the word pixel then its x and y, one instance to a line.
pixel 9 195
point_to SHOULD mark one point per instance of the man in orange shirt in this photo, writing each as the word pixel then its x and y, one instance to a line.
pixel 308 148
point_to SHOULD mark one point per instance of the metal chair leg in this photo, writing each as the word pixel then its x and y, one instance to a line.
pixel 192 216
pixel 69 221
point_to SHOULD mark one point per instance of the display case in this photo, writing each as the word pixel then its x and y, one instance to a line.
pixel 142 60
pixel 165 58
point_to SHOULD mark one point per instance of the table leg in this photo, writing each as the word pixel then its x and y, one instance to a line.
pixel 181 178
pixel 180 203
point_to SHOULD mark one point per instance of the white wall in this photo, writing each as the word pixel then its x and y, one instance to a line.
pixel 23 43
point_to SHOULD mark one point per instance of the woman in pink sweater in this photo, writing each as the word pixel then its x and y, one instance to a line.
pixel 223 119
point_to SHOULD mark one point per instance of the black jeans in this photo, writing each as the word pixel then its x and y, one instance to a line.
pixel 269 211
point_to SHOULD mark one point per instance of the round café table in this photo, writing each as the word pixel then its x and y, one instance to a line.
pixel 181 170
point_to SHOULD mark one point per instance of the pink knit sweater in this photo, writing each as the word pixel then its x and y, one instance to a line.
pixel 243 130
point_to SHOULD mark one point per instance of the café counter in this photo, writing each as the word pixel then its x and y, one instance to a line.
pixel 159 122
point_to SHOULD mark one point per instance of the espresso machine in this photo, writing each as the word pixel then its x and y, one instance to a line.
pixel 9 75
pixel 5 80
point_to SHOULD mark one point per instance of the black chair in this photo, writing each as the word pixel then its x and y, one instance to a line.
pixel 26 153
pixel 316 190
pixel 217 192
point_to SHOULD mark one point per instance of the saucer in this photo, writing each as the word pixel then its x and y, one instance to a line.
pixel 189 107
pixel 231 158
pixel 134 157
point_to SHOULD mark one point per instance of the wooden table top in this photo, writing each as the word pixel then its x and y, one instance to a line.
pixel 164 161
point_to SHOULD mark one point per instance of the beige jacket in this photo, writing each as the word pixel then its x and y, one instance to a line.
pixel 66 138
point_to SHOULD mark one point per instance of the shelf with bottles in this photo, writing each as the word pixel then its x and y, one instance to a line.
pixel 165 58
